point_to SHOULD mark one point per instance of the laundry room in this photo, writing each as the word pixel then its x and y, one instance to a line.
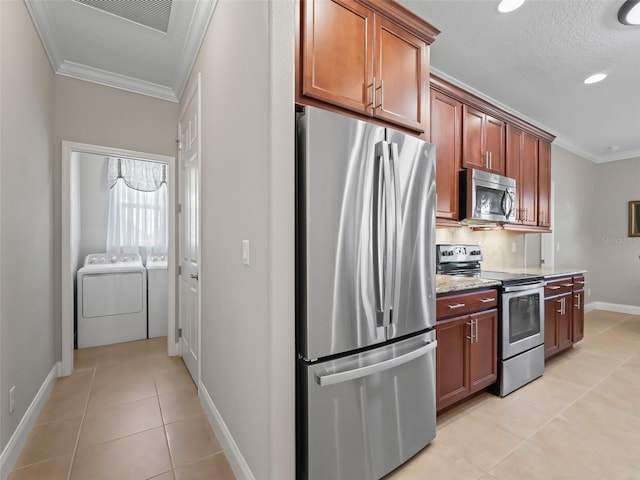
pixel 119 248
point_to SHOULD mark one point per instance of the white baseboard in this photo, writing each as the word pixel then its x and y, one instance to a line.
pixel 19 438
pixel 613 307
pixel 238 464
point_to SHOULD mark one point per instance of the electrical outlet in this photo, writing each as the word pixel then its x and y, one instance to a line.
pixel 514 247
pixel 12 399
pixel 246 253
pixel 588 292
pixel 557 247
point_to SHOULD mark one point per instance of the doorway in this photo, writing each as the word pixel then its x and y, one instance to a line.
pixel 72 153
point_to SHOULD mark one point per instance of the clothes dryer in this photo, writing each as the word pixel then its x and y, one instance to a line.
pixel 158 288
pixel 111 300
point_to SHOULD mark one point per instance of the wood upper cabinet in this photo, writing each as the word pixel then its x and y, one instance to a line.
pixel 367 57
pixel 522 164
pixel 483 141
pixel 544 184
pixel 446 135
pixel 337 64
pixel 401 72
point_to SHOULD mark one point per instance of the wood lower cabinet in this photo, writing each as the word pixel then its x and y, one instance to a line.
pixel 466 357
pixel 368 57
pixel 483 141
pixel 563 314
pixel 446 135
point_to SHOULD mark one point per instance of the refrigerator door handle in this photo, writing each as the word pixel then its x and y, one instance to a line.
pixel 341 377
pixel 396 222
pixel 389 246
pixel 377 226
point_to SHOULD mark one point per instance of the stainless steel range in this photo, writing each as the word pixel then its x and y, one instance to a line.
pixel 521 323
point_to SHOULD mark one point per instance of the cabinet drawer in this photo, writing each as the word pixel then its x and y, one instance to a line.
pixel 556 287
pixel 463 303
pixel 578 282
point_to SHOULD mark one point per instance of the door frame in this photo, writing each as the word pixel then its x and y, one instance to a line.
pixel 196 91
pixel 68 268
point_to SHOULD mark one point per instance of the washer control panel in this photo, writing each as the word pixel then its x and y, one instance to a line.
pixel 112 259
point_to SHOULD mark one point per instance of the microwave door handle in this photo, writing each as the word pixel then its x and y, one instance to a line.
pixel 507 204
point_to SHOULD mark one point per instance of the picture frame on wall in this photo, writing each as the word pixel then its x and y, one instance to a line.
pixel 634 218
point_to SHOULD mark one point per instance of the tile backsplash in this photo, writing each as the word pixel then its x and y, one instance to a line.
pixel 497 246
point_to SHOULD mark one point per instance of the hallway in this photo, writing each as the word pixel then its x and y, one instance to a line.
pixel 128 411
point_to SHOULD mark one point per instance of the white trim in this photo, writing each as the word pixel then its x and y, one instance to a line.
pixel 203 11
pixel 42 22
pixel 231 450
pixel 19 438
pixel 67 267
pixel 115 80
pixel 613 307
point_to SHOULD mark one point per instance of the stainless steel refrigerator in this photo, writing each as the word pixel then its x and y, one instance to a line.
pixel 365 268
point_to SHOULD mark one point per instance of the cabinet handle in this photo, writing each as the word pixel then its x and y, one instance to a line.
pixel 381 88
pixel 567 284
pixel 578 299
pixel 560 301
pixel 553 287
pixel 490 160
pixel 470 331
pixel 373 92
pixel 486 300
pixel 564 305
pixel 453 306
pixel 580 283
pixel 475 322
pixel 526 214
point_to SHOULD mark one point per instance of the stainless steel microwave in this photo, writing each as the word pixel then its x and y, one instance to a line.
pixel 486 197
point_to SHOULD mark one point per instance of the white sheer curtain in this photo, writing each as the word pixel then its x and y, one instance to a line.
pixel 137 207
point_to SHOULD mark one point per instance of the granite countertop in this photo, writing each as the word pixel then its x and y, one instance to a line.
pixel 547 272
pixel 453 283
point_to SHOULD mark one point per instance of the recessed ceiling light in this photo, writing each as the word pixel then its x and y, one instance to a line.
pixel 614 148
pixel 629 13
pixel 507 6
pixel 595 78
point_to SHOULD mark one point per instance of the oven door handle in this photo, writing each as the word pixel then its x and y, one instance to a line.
pixel 520 288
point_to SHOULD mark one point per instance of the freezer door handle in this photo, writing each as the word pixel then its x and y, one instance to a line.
pixel 341 377
pixel 396 222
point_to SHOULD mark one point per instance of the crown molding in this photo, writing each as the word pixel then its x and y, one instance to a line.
pixel 115 80
pixel 203 11
pixel 43 24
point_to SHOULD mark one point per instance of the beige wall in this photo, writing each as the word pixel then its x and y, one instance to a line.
pixel 616 256
pixel 497 245
pixel 246 62
pixel 94 114
pixel 577 193
pixel 27 319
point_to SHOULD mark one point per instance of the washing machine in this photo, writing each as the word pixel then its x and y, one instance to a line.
pixel 112 299
pixel 158 288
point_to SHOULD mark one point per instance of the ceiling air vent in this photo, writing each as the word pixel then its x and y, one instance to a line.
pixel 150 13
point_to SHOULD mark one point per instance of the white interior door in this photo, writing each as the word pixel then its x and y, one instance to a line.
pixel 189 250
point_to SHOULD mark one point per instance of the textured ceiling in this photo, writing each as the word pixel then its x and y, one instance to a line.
pixel 144 46
pixel 533 61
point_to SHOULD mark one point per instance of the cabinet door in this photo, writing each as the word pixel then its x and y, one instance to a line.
pixel 473 151
pixel 552 306
pixel 452 360
pixel 513 162
pixel 446 131
pixel 564 325
pixel 402 76
pixel 336 53
pixel 483 353
pixel 544 184
pixel 578 316
pixel 528 185
pixel 495 144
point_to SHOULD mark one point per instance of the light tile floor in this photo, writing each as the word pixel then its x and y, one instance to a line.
pixel 581 420
pixel 127 412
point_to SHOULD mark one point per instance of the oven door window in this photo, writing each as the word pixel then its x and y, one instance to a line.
pixel 524 316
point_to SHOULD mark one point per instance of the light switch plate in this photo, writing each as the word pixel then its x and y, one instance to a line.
pixel 246 253
pixel 12 399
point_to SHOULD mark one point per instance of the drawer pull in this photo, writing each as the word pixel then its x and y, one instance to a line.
pixel 553 287
pixel 487 300
pixel 567 284
pixel 580 283
pixel 453 306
